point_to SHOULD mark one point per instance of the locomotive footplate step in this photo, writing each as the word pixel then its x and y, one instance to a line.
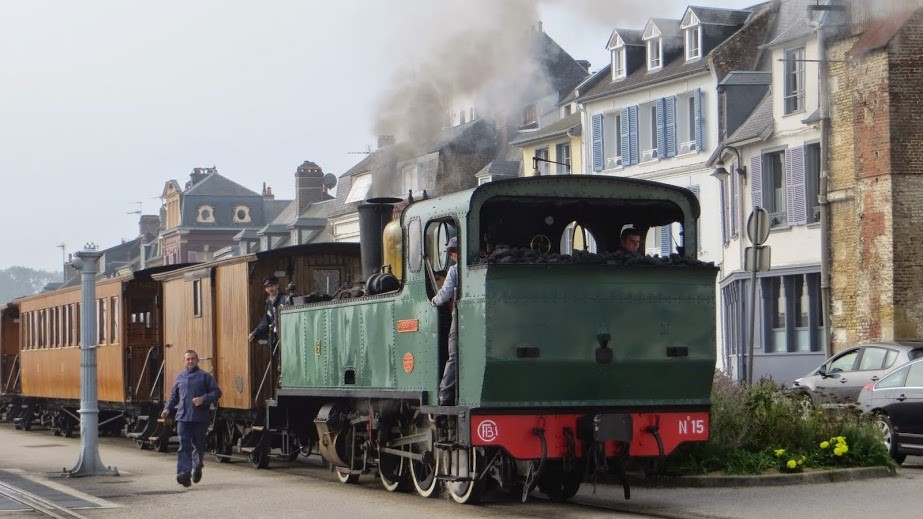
pixel 452 410
pixel 20 492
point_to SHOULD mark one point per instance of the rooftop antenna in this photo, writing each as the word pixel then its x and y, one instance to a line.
pixel 367 152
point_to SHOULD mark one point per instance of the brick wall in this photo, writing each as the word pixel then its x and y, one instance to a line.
pixel 875 184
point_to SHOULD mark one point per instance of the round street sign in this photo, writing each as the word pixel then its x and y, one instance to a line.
pixel 758 226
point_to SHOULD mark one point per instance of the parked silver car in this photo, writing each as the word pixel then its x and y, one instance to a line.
pixel 840 378
pixel 896 401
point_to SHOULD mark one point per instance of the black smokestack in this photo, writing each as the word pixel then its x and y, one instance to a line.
pixel 374 215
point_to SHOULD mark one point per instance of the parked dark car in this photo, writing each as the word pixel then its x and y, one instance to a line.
pixel 840 378
pixel 896 401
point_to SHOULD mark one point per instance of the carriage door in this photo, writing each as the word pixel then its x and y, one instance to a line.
pixel 143 341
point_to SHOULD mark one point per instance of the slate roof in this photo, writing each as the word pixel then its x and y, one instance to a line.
pixel 719 16
pixel 791 23
pixel 668 27
pixel 560 68
pixel 758 125
pixel 216 185
pixel 273 208
pixel 628 36
pixel 747 77
pixel 555 129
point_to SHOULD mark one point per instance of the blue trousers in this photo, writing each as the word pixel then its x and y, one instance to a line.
pixel 450 373
pixel 191 453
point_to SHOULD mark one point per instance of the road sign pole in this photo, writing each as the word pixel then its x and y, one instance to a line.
pixel 752 330
pixel 758 232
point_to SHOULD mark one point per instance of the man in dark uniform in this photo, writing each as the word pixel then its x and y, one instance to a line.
pixel 630 241
pixel 270 321
pixel 194 391
pixel 446 295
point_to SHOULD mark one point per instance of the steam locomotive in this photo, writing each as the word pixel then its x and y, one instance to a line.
pixel 573 356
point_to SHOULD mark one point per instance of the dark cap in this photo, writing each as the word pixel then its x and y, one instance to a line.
pixel 271 280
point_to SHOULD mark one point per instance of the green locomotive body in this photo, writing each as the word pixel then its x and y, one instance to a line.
pixel 563 352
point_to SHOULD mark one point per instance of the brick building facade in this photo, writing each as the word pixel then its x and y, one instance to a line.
pixel 876 177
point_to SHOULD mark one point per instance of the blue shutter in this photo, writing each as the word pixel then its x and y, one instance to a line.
pixel 698 119
pixel 698 222
pixel 626 138
pixel 796 199
pixel 633 134
pixel 665 240
pixel 756 181
pixel 669 116
pixel 661 130
pixel 598 142
pixel 724 212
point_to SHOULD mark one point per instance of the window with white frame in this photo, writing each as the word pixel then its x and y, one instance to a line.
pixel 562 155
pixel 794 80
pixel 612 133
pixel 618 63
pixel 410 179
pixel 648 131
pixel 654 54
pixel 685 123
pixel 773 172
pixel 693 42
pixel 541 165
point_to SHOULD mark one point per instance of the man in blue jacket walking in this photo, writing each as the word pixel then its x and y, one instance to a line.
pixel 194 391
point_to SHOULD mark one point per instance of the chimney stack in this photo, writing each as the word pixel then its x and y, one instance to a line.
pixel 267 192
pixel 198 174
pixel 385 140
pixel 309 185
pixel 149 227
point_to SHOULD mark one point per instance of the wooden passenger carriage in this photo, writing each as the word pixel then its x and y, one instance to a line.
pixel 129 353
pixel 211 308
pixel 9 360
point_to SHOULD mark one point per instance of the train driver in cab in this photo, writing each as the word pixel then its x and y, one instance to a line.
pixel 446 295
pixel 630 241
pixel 270 321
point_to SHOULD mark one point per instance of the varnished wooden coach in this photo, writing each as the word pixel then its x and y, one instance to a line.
pixel 129 354
pixel 212 307
pixel 9 361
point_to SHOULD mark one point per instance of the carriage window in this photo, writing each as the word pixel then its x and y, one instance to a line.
pixel 197 298
pixel 114 336
pixel 438 235
pixel 414 245
pixel 101 320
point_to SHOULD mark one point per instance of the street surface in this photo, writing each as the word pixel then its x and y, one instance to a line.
pixel 305 488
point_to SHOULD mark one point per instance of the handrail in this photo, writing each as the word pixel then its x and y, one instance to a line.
pixel 13 370
pixel 144 369
pixel 266 373
pixel 157 379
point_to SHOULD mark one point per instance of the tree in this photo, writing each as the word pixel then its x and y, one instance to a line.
pixel 22 281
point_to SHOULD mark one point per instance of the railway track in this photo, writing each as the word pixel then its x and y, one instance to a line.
pixel 34 503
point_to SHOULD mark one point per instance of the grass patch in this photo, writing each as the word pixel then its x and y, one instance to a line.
pixel 760 428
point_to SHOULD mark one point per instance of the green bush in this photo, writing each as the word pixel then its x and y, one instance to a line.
pixel 758 428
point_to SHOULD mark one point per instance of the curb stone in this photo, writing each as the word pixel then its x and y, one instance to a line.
pixel 800 478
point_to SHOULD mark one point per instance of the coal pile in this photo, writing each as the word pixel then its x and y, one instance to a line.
pixel 504 254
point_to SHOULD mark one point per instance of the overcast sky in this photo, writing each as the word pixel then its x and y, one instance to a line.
pixel 102 102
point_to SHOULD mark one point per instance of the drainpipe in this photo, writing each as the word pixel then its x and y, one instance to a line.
pixel 584 149
pixel 824 101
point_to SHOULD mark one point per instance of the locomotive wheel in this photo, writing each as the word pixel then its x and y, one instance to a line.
pixel 222 447
pixel 259 458
pixel 423 472
pixel 559 485
pixel 161 444
pixel 346 477
pixel 141 444
pixel 469 492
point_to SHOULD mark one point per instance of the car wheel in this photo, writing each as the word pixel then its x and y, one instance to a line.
pixel 889 437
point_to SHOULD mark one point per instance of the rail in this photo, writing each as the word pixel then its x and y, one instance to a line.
pixel 37 503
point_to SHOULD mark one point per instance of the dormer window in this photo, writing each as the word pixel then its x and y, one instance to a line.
pixel 654 42
pixel 206 214
pixel 692 32
pixel 618 63
pixel 654 54
pixel 693 43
